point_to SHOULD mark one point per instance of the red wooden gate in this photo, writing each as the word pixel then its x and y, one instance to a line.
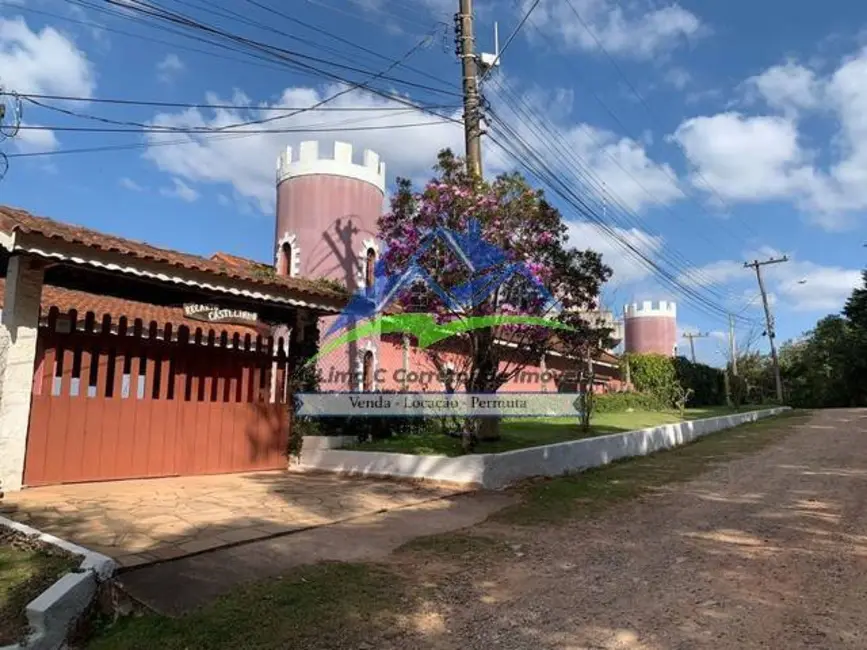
pixel 113 403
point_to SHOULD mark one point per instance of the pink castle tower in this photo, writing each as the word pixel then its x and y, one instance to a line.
pixel 327 209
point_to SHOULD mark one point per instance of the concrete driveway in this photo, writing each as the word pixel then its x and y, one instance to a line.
pixel 144 521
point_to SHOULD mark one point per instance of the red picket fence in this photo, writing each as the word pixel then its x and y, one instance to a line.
pixel 115 402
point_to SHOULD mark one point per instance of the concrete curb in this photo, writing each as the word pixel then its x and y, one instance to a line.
pixel 55 610
pixel 495 471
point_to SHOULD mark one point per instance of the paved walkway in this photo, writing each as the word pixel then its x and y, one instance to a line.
pixel 140 522
pixel 179 586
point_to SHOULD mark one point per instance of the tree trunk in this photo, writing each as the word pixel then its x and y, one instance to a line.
pixel 486 364
pixel 489 429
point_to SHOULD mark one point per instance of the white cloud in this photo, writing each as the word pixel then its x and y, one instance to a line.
pixel 34 139
pixel 624 168
pixel 180 190
pixel 640 33
pixel 743 158
pixel 799 285
pixel 246 163
pixel 129 184
pixel 678 77
pixel 45 62
pixel 614 167
pixel 756 158
pixel 626 267
pixel 788 87
pixel 715 273
pixel 169 68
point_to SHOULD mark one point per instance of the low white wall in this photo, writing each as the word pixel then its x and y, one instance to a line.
pixel 495 471
pixel 51 614
pixel 577 455
pixel 468 469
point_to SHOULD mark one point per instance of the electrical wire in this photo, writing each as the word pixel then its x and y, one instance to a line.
pixel 509 40
pixel 245 107
pixel 543 172
pixel 345 41
pixel 272 52
pixel 549 135
pixel 645 104
pixel 532 162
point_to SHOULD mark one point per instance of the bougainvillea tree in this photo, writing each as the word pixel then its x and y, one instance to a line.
pixel 543 275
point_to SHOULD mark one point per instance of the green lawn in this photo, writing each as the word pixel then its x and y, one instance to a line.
pixel 522 433
pixel 324 606
pixel 25 572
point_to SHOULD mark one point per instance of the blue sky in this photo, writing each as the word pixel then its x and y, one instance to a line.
pixel 704 133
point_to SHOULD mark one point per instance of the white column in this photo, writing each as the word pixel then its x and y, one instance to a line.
pixel 18 331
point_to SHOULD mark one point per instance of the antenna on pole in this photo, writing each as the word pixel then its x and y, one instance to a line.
pixel 488 60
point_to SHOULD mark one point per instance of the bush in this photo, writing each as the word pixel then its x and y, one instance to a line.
pixel 666 378
pixel 706 382
pixel 654 374
pixel 620 402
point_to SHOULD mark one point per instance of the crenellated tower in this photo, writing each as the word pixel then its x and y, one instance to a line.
pixel 328 204
pixel 651 328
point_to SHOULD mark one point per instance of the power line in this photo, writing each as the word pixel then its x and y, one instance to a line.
pixel 510 39
pixel 583 169
pixel 640 98
pixel 530 159
pixel 246 107
pixel 245 131
pixel 286 57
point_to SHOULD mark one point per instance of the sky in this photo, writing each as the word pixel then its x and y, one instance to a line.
pixel 703 134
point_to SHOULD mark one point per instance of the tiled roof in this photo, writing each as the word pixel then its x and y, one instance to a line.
pixel 82 302
pixel 13 219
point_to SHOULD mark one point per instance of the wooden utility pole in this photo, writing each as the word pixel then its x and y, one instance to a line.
pixel 733 346
pixel 769 319
pixel 472 116
pixel 692 336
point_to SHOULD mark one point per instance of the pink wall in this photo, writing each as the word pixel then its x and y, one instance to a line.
pixel 651 334
pixel 331 216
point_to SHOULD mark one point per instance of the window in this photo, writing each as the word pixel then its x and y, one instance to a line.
pixel 367 372
pixel 284 264
pixel 370 269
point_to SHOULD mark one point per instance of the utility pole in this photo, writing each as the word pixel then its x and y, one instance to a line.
pixel 472 117
pixel 769 319
pixel 733 346
pixel 692 336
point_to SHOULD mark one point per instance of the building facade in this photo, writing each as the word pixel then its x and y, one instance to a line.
pixel 328 203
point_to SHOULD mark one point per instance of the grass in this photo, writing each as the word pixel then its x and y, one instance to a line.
pixel 26 570
pixel 523 433
pixel 552 500
pixel 320 607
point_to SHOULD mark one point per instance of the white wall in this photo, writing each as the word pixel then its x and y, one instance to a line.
pixel 495 471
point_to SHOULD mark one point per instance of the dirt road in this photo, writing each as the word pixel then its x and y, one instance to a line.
pixel 768 551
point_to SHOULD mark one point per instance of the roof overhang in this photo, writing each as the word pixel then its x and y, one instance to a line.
pixel 57 250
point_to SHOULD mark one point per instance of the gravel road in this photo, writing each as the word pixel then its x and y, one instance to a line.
pixel 766 551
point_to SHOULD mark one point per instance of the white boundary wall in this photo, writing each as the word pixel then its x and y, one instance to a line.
pixel 494 471
pixel 51 614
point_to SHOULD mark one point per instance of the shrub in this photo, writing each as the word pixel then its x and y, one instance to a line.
pixel 620 402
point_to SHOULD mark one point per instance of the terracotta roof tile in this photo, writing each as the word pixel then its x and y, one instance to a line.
pixel 13 219
pixel 82 302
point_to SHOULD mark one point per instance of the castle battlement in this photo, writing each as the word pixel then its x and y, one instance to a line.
pixel 309 162
pixel 647 308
